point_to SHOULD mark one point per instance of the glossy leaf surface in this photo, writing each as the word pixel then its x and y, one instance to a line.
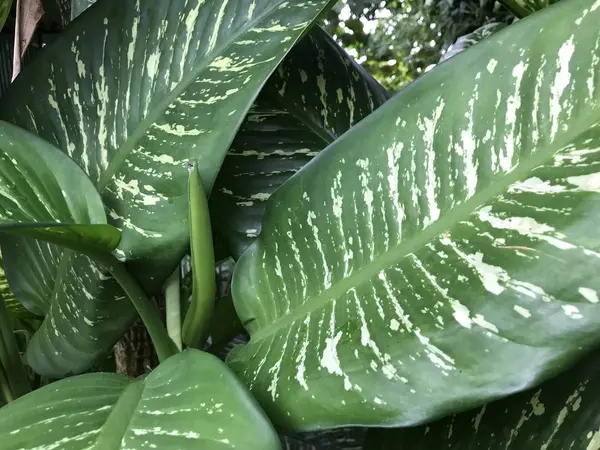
pixel 563 413
pixel 316 94
pixel 134 90
pixel 190 401
pixel 45 195
pixel 444 252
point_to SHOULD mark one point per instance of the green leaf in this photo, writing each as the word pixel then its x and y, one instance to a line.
pixel 202 302
pixel 563 413
pixel 445 251
pixel 316 94
pixel 5 6
pixel 132 112
pixel 190 401
pixel 522 8
pixel 79 6
pixel 45 195
pixel 467 40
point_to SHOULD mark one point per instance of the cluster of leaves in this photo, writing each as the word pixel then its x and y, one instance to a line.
pixel 440 254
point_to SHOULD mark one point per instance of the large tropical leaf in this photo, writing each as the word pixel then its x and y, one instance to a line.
pixel 561 414
pixel 316 94
pixel 444 252
pixel 133 91
pixel 190 401
pixel 45 195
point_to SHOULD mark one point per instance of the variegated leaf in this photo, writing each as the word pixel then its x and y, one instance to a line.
pixel 133 91
pixel 522 8
pixel 45 195
pixel 466 41
pixel 561 414
pixel 445 251
pixel 316 94
pixel 190 401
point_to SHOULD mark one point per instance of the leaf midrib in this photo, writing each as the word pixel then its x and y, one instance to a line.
pixel 404 248
pixel 130 143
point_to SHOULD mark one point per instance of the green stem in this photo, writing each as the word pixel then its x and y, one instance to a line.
pixel 146 308
pixel 173 307
pixel 10 357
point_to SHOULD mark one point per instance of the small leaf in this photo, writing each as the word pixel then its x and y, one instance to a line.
pixel 445 251
pixel 190 401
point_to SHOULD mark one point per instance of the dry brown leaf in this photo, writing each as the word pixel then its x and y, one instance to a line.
pixel 29 13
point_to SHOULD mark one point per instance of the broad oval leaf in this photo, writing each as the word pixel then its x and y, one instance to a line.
pixel 316 94
pixel 44 194
pixel 190 401
pixel 445 251
pixel 132 91
pixel 563 413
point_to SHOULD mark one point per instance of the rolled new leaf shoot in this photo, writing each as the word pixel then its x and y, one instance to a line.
pixel 203 265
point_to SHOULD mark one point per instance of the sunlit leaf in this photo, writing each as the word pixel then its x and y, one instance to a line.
pixel 445 251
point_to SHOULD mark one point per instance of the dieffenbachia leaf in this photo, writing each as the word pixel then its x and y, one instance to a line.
pixel 190 401
pixel 445 251
pixel 5 6
pixel 562 413
pixel 132 91
pixel 79 6
pixel 45 195
pixel 466 41
pixel 316 95
pixel 522 8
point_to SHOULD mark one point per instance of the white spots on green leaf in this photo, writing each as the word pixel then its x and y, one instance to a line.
pixel 535 185
pixel 218 23
pixel 134 38
pixel 561 82
pixel 522 311
pixel 178 130
pixel 594 443
pixel 311 216
pixel 394 325
pixel 152 65
pixel 589 294
pixel 429 126
pixel 572 311
pixel 586 183
pixel 393 157
pixel 492 65
pixel 329 359
pixel 301 358
pixel 513 104
pixel 251 9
